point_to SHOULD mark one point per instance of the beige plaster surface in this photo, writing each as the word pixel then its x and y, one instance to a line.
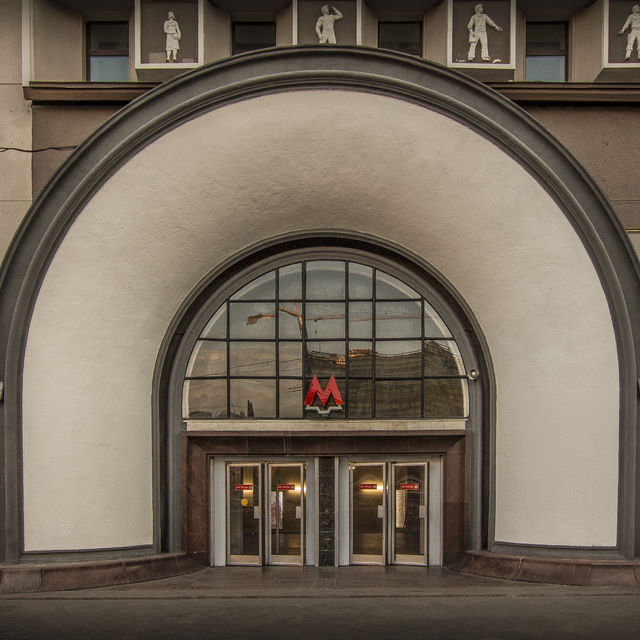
pixel 11 42
pixel 15 131
pixel 284 163
pixel 11 214
pixel 585 43
pixel 635 241
pixel 58 52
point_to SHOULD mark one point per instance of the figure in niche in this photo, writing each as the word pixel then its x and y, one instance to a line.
pixel 633 36
pixel 478 33
pixel 324 26
pixel 172 29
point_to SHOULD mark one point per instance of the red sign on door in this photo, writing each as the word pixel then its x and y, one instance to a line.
pixel 286 487
pixel 244 487
pixel 410 486
pixel 368 485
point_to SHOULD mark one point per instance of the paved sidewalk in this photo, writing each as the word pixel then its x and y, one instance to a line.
pixel 347 602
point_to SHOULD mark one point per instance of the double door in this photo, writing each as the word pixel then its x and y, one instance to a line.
pixel 389 513
pixel 265 513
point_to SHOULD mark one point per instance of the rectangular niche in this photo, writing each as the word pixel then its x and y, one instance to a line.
pixel 345 28
pixel 617 47
pixel 473 39
pixel 166 43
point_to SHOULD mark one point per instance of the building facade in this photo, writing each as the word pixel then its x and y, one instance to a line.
pixel 301 284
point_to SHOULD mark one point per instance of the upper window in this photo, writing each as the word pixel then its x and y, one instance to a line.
pixel 405 37
pixel 249 36
pixel 108 51
pixel 389 352
pixel 546 57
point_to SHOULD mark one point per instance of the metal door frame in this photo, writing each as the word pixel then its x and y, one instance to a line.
pixel 381 559
pixel 392 510
pixel 237 559
pixel 271 558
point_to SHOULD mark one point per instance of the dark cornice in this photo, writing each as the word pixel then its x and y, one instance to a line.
pixel 519 92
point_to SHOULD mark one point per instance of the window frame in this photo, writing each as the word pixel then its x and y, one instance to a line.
pixel 106 53
pixel 550 53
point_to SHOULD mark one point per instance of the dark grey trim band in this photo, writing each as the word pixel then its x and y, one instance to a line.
pixel 300 68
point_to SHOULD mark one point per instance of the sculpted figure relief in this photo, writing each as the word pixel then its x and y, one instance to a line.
pixel 172 29
pixel 478 33
pixel 633 36
pixel 324 26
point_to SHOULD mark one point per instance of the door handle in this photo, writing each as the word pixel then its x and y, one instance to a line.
pixel 256 513
pixel 298 512
pixel 380 511
pixel 422 512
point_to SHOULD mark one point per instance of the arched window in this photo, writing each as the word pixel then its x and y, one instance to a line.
pixel 391 355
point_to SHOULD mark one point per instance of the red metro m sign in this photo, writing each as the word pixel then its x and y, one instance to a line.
pixel 323 395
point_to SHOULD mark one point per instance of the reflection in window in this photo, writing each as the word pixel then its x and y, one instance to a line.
pixel 390 352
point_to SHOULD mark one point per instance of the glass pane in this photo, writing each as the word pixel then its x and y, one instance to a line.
pixel 409 538
pixel 360 281
pixel 434 326
pixel 325 280
pixel 252 320
pixel 290 358
pixel 286 510
pixel 244 506
pixel 326 359
pixel 398 359
pixel 398 399
pixel 248 36
pixel 546 69
pixel 360 359
pixel 360 319
pixel 253 399
pixel 252 359
pixel 389 287
pixel 368 505
pixel 262 288
pixel 290 319
pixel 360 401
pixel 217 326
pixel 398 319
pixel 208 359
pixel 204 399
pixel 546 38
pixel 291 399
pixel 446 398
pixel 325 320
pixel 109 68
pixel 400 36
pixel 112 36
pixel 442 358
pixel 291 282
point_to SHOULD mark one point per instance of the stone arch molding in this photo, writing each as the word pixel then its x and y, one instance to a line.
pixel 283 142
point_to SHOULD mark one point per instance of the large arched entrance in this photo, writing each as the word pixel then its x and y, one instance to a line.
pixel 434 179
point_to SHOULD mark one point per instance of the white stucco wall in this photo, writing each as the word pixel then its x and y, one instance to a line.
pixel 310 159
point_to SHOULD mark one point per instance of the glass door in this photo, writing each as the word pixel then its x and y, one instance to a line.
pixel 409 513
pixel 286 514
pixel 244 514
pixel 368 513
